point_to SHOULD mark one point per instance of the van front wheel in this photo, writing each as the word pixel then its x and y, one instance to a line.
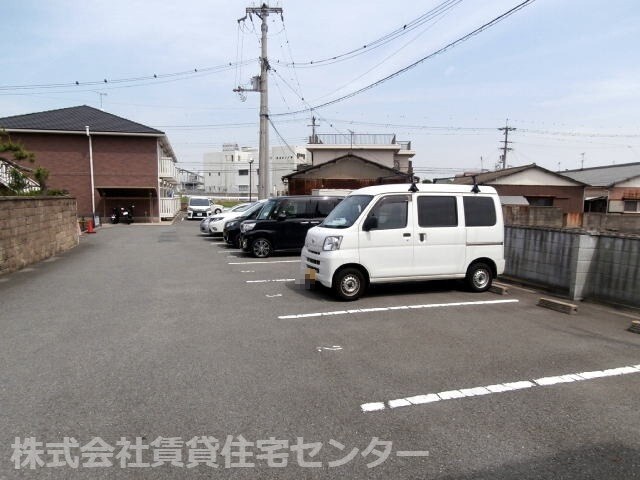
pixel 479 277
pixel 349 284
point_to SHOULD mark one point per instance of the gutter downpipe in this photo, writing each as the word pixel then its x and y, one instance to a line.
pixel 93 190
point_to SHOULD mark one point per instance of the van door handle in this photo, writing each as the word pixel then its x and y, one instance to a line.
pixel 423 236
pixel 406 234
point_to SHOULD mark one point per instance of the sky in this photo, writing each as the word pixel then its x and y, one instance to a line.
pixel 565 73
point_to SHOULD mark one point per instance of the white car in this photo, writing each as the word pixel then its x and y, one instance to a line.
pixel 217 221
pixel 201 207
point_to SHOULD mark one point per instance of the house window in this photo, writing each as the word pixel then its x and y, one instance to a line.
pixel 243 188
pixel 243 172
pixel 540 201
pixel 632 206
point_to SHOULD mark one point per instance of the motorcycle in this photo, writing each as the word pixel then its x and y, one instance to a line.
pixel 123 215
pixel 115 215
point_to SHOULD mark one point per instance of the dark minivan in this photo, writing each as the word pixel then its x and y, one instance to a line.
pixel 283 222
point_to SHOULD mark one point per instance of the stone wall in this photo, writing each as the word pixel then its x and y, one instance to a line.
pixel 35 228
pixel 628 222
pixel 577 263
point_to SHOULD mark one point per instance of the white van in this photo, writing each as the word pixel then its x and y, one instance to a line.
pixel 399 233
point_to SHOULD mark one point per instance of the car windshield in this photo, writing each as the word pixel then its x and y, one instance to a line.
pixel 242 207
pixel 267 209
pixel 199 202
pixel 347 212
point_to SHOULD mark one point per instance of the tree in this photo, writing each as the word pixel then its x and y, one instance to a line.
pixel 18 181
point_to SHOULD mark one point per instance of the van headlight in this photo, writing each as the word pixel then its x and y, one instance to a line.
pixel 332 243
pixel 247 226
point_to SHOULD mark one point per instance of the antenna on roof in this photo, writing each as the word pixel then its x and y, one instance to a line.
pixel 413 188
pixel 475 188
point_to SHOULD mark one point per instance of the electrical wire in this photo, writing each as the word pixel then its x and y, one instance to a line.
pixel 417 22
pixel 450 45
pixel 184 73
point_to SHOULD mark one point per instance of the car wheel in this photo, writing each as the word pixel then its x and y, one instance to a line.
pixel 479 277
pixel 217 210
pixel 349 284
pixel 261 247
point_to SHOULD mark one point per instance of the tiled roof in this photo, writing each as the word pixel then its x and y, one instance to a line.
pixel 488 177
pixel 75 119
pixel 605 176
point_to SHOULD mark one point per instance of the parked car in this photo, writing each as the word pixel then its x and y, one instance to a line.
pixel 216 223
pixel 283 222
pixel 201 207
pixel 399 233
pixel 231 230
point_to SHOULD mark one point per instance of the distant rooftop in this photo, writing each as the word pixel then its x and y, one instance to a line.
pixel 358 139
pixel 606 175
pixel 75 119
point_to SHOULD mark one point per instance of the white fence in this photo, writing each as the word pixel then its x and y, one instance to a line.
pixel 169 207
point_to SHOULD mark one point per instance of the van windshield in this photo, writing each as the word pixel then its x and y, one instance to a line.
pixel 199 202
pixel 347 212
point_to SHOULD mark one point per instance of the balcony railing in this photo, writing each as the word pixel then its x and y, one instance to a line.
pixel 6 168
pixel 168 170
pixel 169 207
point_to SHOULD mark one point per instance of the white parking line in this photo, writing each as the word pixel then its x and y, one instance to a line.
pixel 274 296
pixel 247 271
pixel 275 280
pixel 271 261
pixel 499 388
pixel 403 307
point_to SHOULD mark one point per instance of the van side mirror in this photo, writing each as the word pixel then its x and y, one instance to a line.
pixel 370 223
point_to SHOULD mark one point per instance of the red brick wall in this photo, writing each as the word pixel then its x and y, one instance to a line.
pixel 118 161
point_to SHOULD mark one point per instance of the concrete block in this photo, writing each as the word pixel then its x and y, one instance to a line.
pixel 559 306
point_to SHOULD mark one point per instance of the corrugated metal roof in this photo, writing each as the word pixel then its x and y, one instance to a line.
pixel 75 119
pixel 604 176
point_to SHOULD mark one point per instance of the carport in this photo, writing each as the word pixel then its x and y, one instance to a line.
pixel 143 199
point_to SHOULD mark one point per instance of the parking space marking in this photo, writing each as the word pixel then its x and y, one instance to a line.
pixel 274 296
pixel 274 280
pixel 498 388
pixel 247 271
pixel 270 261
pixel 403 307
pixel 331 348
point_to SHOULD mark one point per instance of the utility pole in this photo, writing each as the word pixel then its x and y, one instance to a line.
pixel 506 142
pixel 313 129
pixel 262 86
pixel 582 161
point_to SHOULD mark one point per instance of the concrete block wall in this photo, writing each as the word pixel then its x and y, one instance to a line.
pixel 615 270
pixel 577 263
pixel 540 256
pixel 35 228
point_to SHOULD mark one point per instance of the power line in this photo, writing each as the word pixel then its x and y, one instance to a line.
pixel 417 22
pixel 107 81
pixel 462 39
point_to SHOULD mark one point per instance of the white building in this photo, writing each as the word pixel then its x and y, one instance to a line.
pixel 234 171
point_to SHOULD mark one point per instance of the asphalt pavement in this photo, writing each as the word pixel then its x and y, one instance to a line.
pixel 161 336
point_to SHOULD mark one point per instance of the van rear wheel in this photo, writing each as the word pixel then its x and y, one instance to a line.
pixel 349 284
pixel 479 277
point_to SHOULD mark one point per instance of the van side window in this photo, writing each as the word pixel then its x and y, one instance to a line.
pixel 294 208
pixel 391 212
pixel 479 212
pixel 437 212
